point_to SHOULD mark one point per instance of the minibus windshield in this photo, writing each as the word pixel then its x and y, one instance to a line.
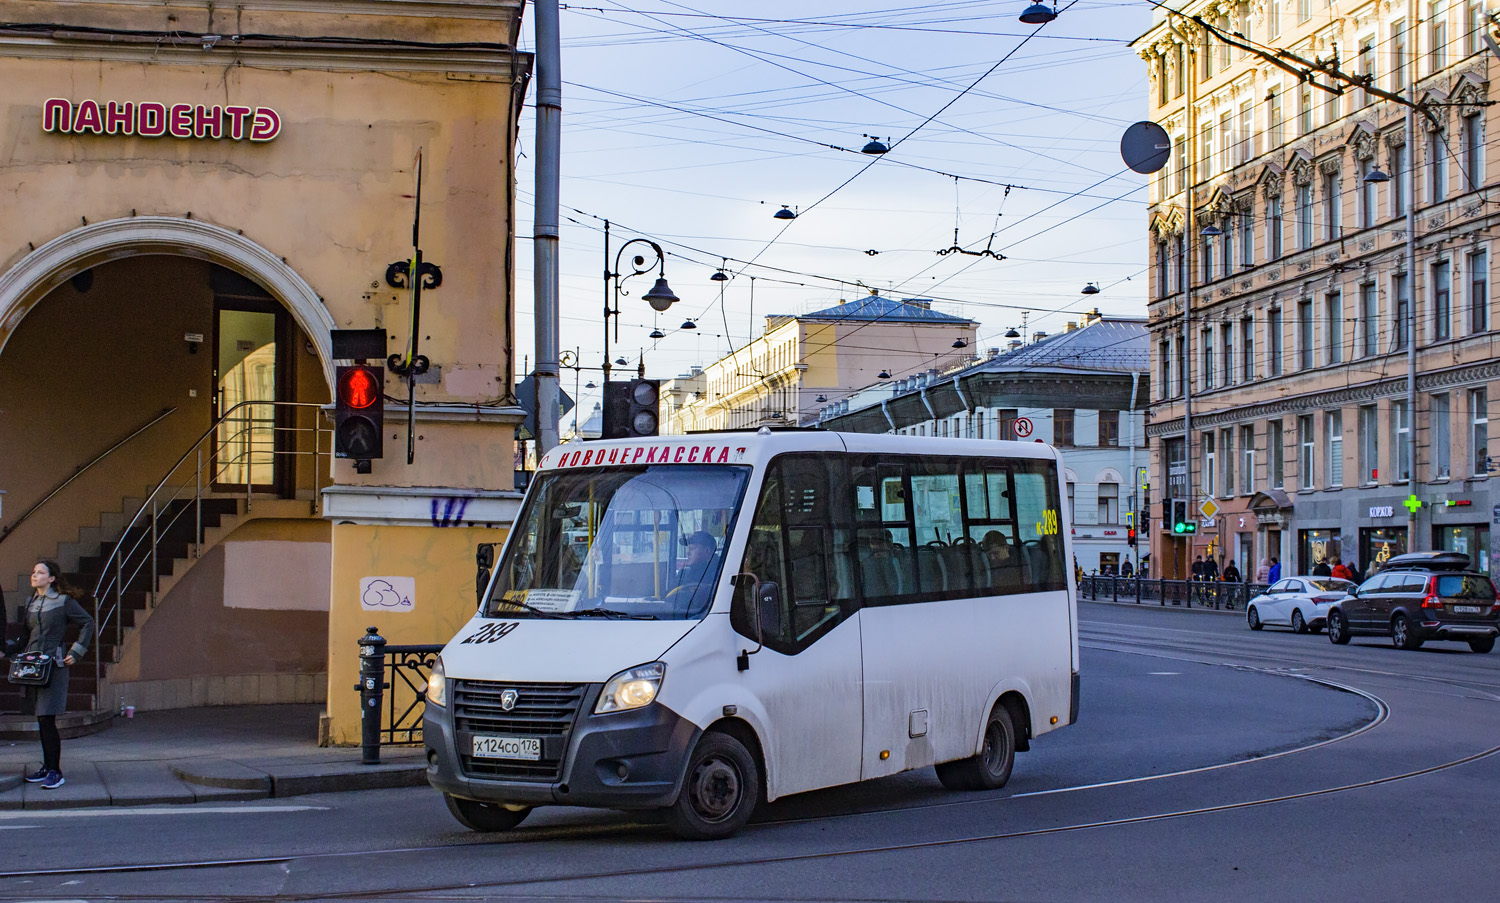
pixel 620 542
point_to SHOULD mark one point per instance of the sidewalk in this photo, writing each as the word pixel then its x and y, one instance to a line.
pixel 198 755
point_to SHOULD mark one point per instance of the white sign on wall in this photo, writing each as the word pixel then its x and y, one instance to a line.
pixel 1382 511
pixel 387 593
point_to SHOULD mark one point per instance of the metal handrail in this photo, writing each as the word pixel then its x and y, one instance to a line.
pixel 113 578
pixel 6 531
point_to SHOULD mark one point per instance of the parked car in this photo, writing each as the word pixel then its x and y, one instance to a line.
pixel 1421 596
pixel 1300 603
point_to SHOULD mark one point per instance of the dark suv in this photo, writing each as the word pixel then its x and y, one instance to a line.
pixel 1421 596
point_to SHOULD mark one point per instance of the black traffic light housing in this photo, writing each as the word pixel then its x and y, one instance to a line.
pixel 1181 524
pixel 1130 537
pixel 359 414
pixel 631 409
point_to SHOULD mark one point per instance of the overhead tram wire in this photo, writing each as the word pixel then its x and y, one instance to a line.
pixel 862 170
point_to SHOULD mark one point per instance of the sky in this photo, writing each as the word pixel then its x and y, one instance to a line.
pixel 692 123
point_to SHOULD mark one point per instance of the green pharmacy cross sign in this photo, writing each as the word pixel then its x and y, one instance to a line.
pixel 1413 504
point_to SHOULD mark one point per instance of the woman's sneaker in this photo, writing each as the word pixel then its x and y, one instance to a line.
pixel 53 780
pixel 36 777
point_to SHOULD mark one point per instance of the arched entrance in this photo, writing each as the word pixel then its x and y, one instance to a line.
pixel 125 347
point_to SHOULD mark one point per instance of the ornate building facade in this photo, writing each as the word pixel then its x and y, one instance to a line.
pixel 1323 338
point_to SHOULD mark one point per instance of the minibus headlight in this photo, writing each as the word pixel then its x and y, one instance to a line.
pixel 631 689
pixel 437 684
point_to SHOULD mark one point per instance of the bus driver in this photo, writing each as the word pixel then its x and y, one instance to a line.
pixel 693 589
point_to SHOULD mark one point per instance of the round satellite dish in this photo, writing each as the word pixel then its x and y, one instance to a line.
pixel 1146 147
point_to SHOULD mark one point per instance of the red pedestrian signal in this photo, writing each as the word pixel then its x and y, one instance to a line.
pixel 359 414
pixel 1130 537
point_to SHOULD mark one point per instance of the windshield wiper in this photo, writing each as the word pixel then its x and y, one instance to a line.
pixel 611 613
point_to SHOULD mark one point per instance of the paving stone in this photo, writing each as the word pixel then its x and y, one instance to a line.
pixel 223 773
pixel 143 784
pixel 83 789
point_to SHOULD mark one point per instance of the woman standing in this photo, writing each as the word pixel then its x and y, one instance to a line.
pixel 44 624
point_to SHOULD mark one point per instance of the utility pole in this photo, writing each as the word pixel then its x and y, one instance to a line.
pixel 1410 69
pixel 545 232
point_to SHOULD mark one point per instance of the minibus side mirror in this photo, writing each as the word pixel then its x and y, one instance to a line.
pixel 484 562
pixel 768 605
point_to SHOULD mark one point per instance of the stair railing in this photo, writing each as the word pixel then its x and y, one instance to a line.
pixel 7 530
pixel 190 479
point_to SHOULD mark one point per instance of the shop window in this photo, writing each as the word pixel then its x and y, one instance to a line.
pixel 1317 547
pixel 1377 545
pixel 1473 541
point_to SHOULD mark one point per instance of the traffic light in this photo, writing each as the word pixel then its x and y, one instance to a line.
pixel 631 408
pixel 1130 537
pixel 359 414
pixel 1181 524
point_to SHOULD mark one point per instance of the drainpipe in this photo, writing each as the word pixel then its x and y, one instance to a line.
pixel 1191 137
pixel 959 390
pixel 886 410
pixel 927 404
pixel 1135 483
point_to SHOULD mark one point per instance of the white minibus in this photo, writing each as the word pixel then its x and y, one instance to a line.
pixel 751 615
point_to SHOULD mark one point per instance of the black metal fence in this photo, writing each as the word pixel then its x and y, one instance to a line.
pixel 406 670
pixel 1203 593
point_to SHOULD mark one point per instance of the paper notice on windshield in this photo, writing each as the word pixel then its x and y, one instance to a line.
pixel 553 599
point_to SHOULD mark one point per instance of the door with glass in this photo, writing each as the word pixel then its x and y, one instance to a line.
pixel 248 379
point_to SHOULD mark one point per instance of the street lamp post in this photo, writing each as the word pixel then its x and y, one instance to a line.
pixel 660 295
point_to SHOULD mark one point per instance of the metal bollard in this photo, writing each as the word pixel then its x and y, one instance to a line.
pixel 371 689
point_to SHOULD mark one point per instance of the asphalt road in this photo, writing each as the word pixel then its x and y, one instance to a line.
pixel 1210 763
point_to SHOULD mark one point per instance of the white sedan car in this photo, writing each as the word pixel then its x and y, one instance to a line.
pixel 1300 603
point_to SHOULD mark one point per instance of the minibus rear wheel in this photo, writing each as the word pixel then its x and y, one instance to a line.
pixel 720 791
pixel 484 817
pixel 990 768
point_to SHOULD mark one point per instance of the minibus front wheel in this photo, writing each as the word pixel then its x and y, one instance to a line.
pixel 720 791
pixel 485 817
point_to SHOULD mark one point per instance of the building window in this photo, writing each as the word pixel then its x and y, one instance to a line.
pixel 1275 455
pixel 1437 167
pixel 1442 301
pixel 1369 444
pixel 1206 146
pixel 1206 255
pixel 1471 134
pixel 1109 503
pixel 1062 424
pixel 1179 71
pixel 1273 340
pixel 1109 429
pixel 1226 253
pixel 1366 194
pixel 1176 462
pixel 1401 439
pixel 1162 285
pixel 1479 432
pixel 1247 349
pixel 1398 55
pixel 1226 454
pixel 1180 171
pixel 1164 355
pixel 1305 458
pixel 1305 113
pixel 1206 341
pixel 1226 140
pixel 1006 423
pixel 1304 216
pixel 1304 10
pixel 1305 334
pixel 1437 41
pixel 1400 287
pixel 1366 66
pixel 1244 146
pixel 1369 322
pixel 1397 184
pixel 1182 362
pixel 1442 442
pixel 1334 423
pixel 1226 351
pixel 1479 292
pixel 1247 460
pixel 1273 19
pixel 1333 305
pixel 1247 234
pixel 1210 475
pixel 1179 265
pixel 1071 508
pixel 1474 23
pixel 1274 227
pixel 1330 105
pixel 1273 119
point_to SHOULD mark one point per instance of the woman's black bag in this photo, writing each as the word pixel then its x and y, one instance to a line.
pixel 31 669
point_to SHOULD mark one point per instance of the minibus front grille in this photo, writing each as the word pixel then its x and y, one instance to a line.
pixel 545 710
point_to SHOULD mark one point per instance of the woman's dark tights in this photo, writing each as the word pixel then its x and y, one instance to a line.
pixel 51 742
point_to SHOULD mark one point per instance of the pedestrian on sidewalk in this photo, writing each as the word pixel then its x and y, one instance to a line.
pixel 1263 573
pixel 1275 574
pixel 1341 570
pixel 44 625
pixel 1231 573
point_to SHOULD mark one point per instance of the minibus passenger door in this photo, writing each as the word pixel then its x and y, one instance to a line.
pixel 790 597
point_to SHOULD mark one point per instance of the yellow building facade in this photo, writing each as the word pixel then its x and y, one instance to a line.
pixel 197 196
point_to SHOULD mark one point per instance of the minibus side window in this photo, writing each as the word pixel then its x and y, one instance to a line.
pixel 887 561
pixel 798 551
pixel 944 568
pixel 992 529
pixel 1039 525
